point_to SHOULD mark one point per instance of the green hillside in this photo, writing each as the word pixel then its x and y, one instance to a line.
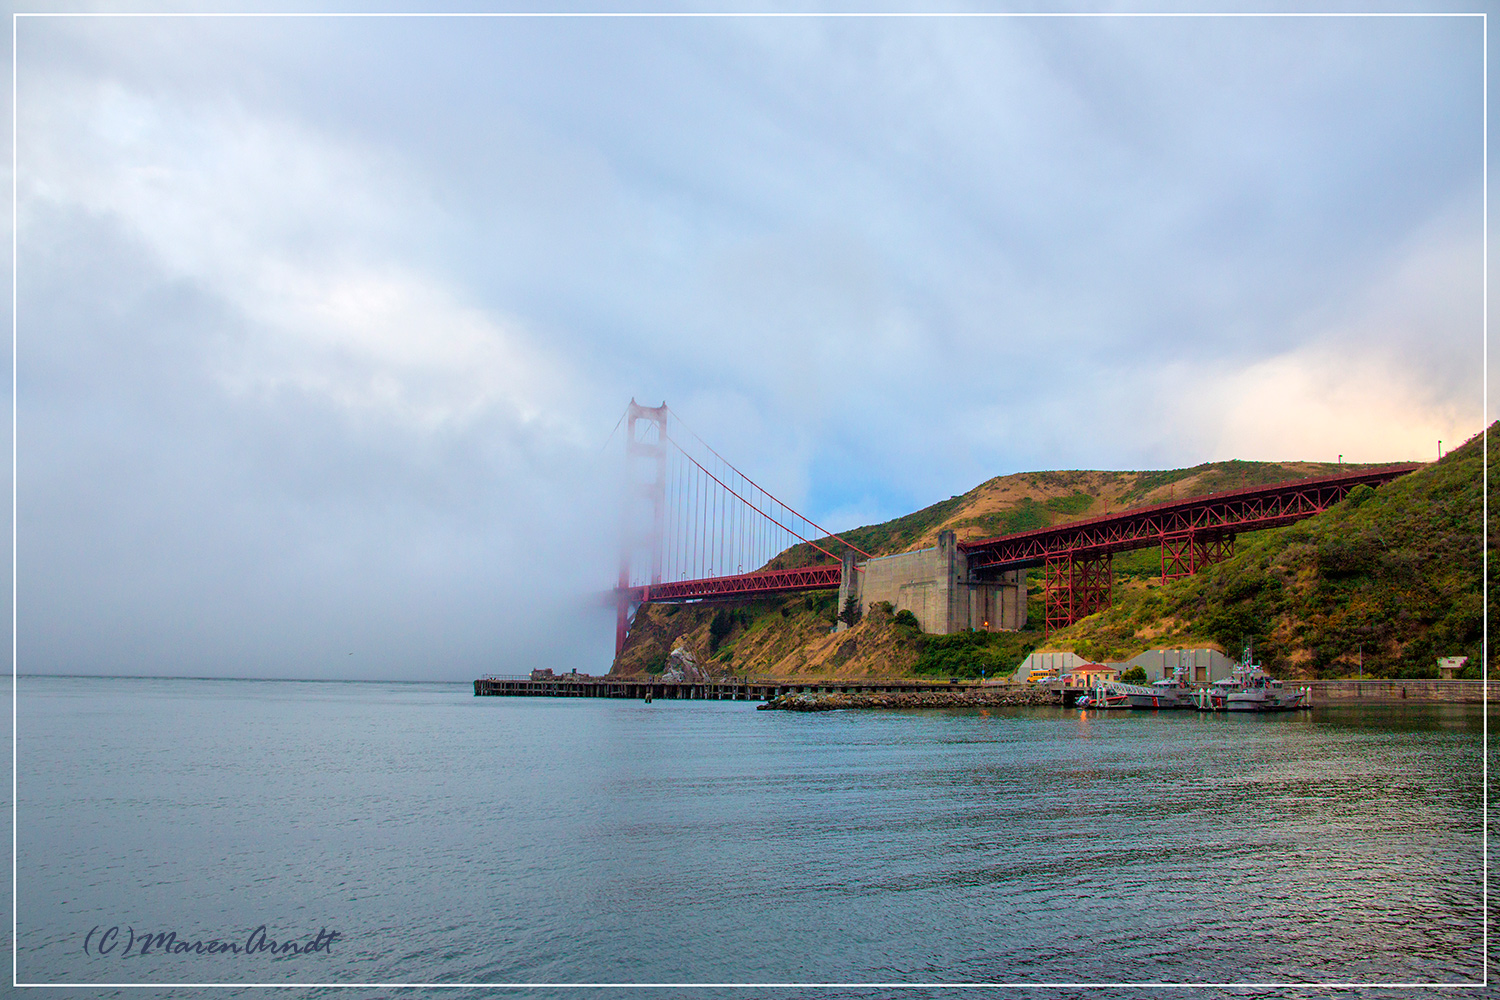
pixel 1028 500
pixel 1392 576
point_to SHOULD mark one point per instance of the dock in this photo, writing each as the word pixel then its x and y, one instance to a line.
pixel 739 689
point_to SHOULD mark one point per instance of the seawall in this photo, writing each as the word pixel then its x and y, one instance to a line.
pixel 1395 692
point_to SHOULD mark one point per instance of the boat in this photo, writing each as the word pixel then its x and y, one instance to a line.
pixel 1260 692
pixel 1167 693
pixel 1251 689
pixel 1109 696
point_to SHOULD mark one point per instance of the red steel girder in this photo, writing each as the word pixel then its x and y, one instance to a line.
pixel 1218 514
pixel 745 584
pixel 1184 555
pixel 1075 586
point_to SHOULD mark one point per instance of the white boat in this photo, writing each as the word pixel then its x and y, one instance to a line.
pixel 1251 689
pixel 1260 692
pixel 1215 697
pixel 1167 693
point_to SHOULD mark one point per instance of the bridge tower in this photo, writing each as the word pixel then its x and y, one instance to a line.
pixel 644 502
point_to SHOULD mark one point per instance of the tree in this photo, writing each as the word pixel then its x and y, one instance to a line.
pixel 1135 675
pixel 851 614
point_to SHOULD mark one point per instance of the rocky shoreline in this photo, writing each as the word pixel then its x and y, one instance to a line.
pixel 967 698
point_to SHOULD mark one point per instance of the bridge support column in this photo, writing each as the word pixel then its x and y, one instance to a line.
pixel 622 620
pixel 1187 553
pixel 638 536
pixel 1075 586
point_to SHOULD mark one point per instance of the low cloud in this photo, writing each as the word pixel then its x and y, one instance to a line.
pixel 324 324
pixel 270 434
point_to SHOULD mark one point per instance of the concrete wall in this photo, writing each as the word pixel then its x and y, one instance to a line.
pixel 934 585
pixel 998 606
pixel 1396 691
pixel 920 582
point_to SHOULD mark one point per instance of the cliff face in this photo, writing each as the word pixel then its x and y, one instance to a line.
pixel 782 637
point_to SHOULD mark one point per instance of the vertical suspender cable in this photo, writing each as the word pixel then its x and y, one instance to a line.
pixel 703 530
pixel 697 523
pixel 681 512
pixel 672 514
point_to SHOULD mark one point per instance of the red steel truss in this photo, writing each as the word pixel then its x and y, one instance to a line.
pixel 1184 555
pixel 1075 586
pixel 1220 513
pixel 768 582
pixel 1192 534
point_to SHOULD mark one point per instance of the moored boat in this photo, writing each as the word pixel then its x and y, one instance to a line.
pixel 1250 689
pixel 1260 692
pixel 1109 696
pixel 1167 693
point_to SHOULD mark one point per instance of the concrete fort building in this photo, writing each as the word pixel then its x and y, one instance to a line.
pixel 938 587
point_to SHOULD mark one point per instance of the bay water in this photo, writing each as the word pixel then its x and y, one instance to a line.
pixel 415 834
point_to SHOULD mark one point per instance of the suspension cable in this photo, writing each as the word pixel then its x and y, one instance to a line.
pixel 762 489
pixel 752 506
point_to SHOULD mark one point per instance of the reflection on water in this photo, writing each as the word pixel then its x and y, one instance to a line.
pixel 449 838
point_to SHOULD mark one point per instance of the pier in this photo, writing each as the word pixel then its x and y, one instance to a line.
pixel 1368 691
pixel 738 689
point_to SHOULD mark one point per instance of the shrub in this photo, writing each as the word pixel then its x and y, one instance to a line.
pixel 1074 503
pixel 907 620
pixel 970 653
pixel 1359 495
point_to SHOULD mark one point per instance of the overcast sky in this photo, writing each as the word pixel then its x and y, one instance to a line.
pixel 324 323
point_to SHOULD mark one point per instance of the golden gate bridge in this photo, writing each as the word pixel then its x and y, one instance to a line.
pixel 696 528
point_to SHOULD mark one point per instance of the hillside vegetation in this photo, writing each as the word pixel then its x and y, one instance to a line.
pixel 1391 577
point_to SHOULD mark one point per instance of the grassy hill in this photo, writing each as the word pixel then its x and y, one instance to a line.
pixel 1390 576
pixel 1394 573
pixel 1028 500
